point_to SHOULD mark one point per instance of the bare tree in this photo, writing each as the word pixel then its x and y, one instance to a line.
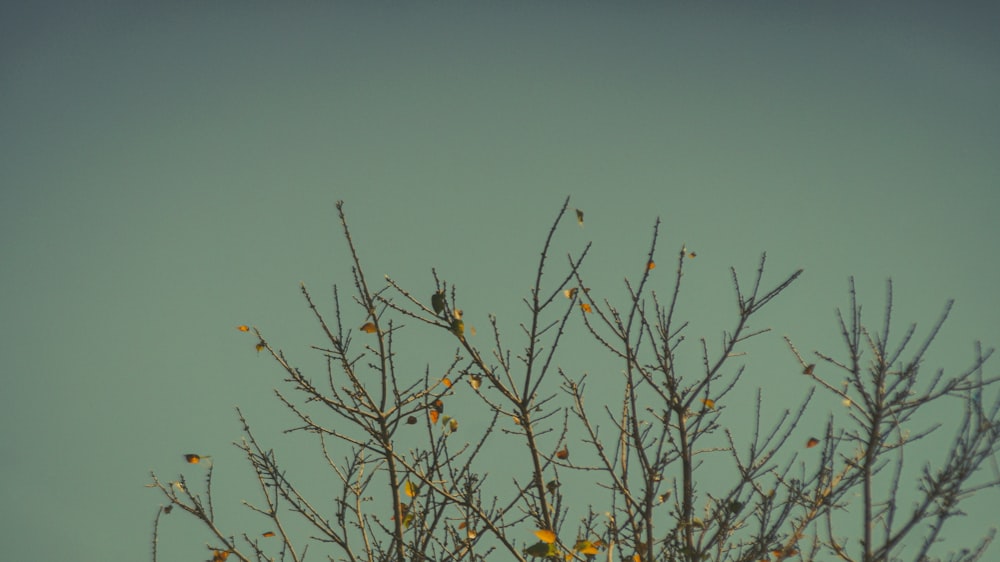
pixel 434 498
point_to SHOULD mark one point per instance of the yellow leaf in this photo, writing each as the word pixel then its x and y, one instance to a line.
pixel 192 458
pixel 585 307
pixel 243 328
pixel 410 489
pixel 268 534
pixel 369 328
pixel 651 265
pixel 579 217
pixel 453 425
pixel 709 403
pixel 585 547
pixel 261 346
pixel 446 382
pixel 570 293
pixel 475 381
pixel 546 536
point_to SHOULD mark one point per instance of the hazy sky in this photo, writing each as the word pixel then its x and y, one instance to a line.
pixel 169 170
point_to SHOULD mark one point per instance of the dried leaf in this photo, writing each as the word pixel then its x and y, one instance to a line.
pixel 192 458
pixel 709 403
pixel 369 328
pixel 268 534
pixel 411 420
pixel 563 454
pixel 453 425
pixel 570 293
pixel 243 328
pixel 809 369
pixel 446 382
pixel 434 414
pixel 475 381
pixel 651 265
pixel 579 217
pixel 812 442
pixel 585 307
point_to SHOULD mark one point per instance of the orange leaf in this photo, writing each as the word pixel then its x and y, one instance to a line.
pixel 192 458
pixel 546 536
pixel 369 328
pixel 446 382
pixel 410 489
pixel 585 307
pixel 434 414
pixel 709 403
pixel 268 534
pixel 809 369
pixel 812 442
pixel 220 555
pixel 462 525
pixel 243 328
pixel 692 255
pixel 651 265
pixel 562 454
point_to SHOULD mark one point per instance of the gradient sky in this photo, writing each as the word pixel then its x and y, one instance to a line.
pixel 169 170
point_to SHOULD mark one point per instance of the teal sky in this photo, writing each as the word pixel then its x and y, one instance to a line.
pixel 169 170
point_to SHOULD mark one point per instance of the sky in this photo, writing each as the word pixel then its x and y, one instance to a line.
pixel 170 171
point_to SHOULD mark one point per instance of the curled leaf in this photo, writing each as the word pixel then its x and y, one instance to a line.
pixel 563 454
pixel 809 369
pixel 453 425
pixel 579 217
pixel 192 458
pixel 812 442
pixel 369 328
pixel 709 403
pixel 268 534
pixel 475 381
pixel 570 293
